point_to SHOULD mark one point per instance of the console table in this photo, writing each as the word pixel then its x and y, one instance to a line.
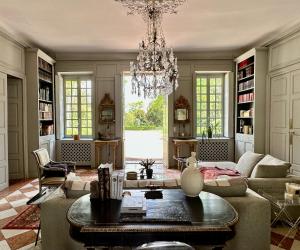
pixel 97 223
pixel 110 144
pixel 178 143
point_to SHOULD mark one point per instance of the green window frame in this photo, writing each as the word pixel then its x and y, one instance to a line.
pixel 210 103
pixel 78 103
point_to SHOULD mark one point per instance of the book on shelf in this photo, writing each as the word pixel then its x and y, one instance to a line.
pixel 121 176
pixel 114 185
pixel 106 177
pixel 44 94
pixel 101 183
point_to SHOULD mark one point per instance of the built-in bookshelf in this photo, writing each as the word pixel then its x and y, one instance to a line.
pixel 40 104
pixel 251 70
pixel 245 96
pixel 46 97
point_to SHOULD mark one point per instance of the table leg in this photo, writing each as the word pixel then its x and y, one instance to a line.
pixel 37 236
pixel 195 147
pixel 114 157
pixel 178 155
pixel 277 217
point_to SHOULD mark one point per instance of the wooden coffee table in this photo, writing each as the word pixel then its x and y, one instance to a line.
pixel 98 224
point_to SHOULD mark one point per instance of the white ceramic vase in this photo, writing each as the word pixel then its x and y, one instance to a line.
pixel 191 178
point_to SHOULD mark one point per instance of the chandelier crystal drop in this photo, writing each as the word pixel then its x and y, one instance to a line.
pixel 155 70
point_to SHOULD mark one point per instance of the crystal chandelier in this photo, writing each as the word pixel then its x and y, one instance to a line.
pixel 155 71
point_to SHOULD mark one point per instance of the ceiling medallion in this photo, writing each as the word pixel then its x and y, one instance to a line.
pixel 155 70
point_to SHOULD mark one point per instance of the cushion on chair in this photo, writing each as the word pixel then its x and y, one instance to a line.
pixel 227 187
pixel 55 170
pixel 270 167
pixel 247 162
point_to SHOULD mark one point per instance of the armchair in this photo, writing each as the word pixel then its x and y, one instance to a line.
pixel 51 173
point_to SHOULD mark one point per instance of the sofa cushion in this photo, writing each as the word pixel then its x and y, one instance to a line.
pixel 76 188
pixel 247 162
pixel 270 167
pixel 227 187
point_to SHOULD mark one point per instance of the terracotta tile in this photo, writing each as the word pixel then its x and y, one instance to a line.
pixel 1 236
pixel 21 240
pixel 21 208
pixel 5 206
pixel 297 236
pixel 16 197
pixel 29 189
pixel 6 220
pixel 276 238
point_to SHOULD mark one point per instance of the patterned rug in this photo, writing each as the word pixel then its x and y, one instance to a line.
pixel 28 219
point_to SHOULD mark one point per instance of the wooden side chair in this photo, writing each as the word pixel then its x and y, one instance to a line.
pixel 51 173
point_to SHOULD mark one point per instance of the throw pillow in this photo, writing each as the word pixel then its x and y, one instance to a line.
pixel 57 194
pixel 232 187
pixel 247 162
pixel 270 167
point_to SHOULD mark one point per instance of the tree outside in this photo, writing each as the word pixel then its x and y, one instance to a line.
pixel 139 117
pixel 143 125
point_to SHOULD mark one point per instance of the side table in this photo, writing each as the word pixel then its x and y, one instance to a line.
pixel 178 143
pixel 280 205
pixel 110 144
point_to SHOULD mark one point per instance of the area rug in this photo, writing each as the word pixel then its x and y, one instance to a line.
pixel 27 219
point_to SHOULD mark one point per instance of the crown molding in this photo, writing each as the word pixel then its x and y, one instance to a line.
pixel 11 35
pixel 277 35
pixel 117 56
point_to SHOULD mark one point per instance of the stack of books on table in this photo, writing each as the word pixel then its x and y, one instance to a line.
pixel 133 205
pixel 116 185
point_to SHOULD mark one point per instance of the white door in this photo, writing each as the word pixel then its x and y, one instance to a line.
pixel 295 122
pixel 3 132
pixel 15 128
pixel 279 116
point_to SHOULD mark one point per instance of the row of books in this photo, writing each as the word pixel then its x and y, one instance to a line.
pixel 44 94
pixel 46 115
pixel 249 97
pixel 109 184
pixel 246 62
pixel 46 129
pixel 245 73
pixel 247 113
pixel 246 85
pixel 44 65
pixel 45 107
pixel 45 76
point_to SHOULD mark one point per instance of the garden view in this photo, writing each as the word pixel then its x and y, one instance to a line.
pixel 143 126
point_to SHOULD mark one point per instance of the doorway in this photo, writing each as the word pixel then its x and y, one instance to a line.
pixel 144 126
pixel 15 128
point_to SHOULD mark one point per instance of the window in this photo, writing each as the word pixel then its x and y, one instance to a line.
pixel 78 106
pixel 210 104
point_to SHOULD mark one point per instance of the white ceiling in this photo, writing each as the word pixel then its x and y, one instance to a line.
pixel 103 25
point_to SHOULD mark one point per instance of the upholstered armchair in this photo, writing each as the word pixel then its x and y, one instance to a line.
pixel 51 173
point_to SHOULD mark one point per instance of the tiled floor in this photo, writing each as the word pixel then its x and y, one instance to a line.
pixel 13 201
